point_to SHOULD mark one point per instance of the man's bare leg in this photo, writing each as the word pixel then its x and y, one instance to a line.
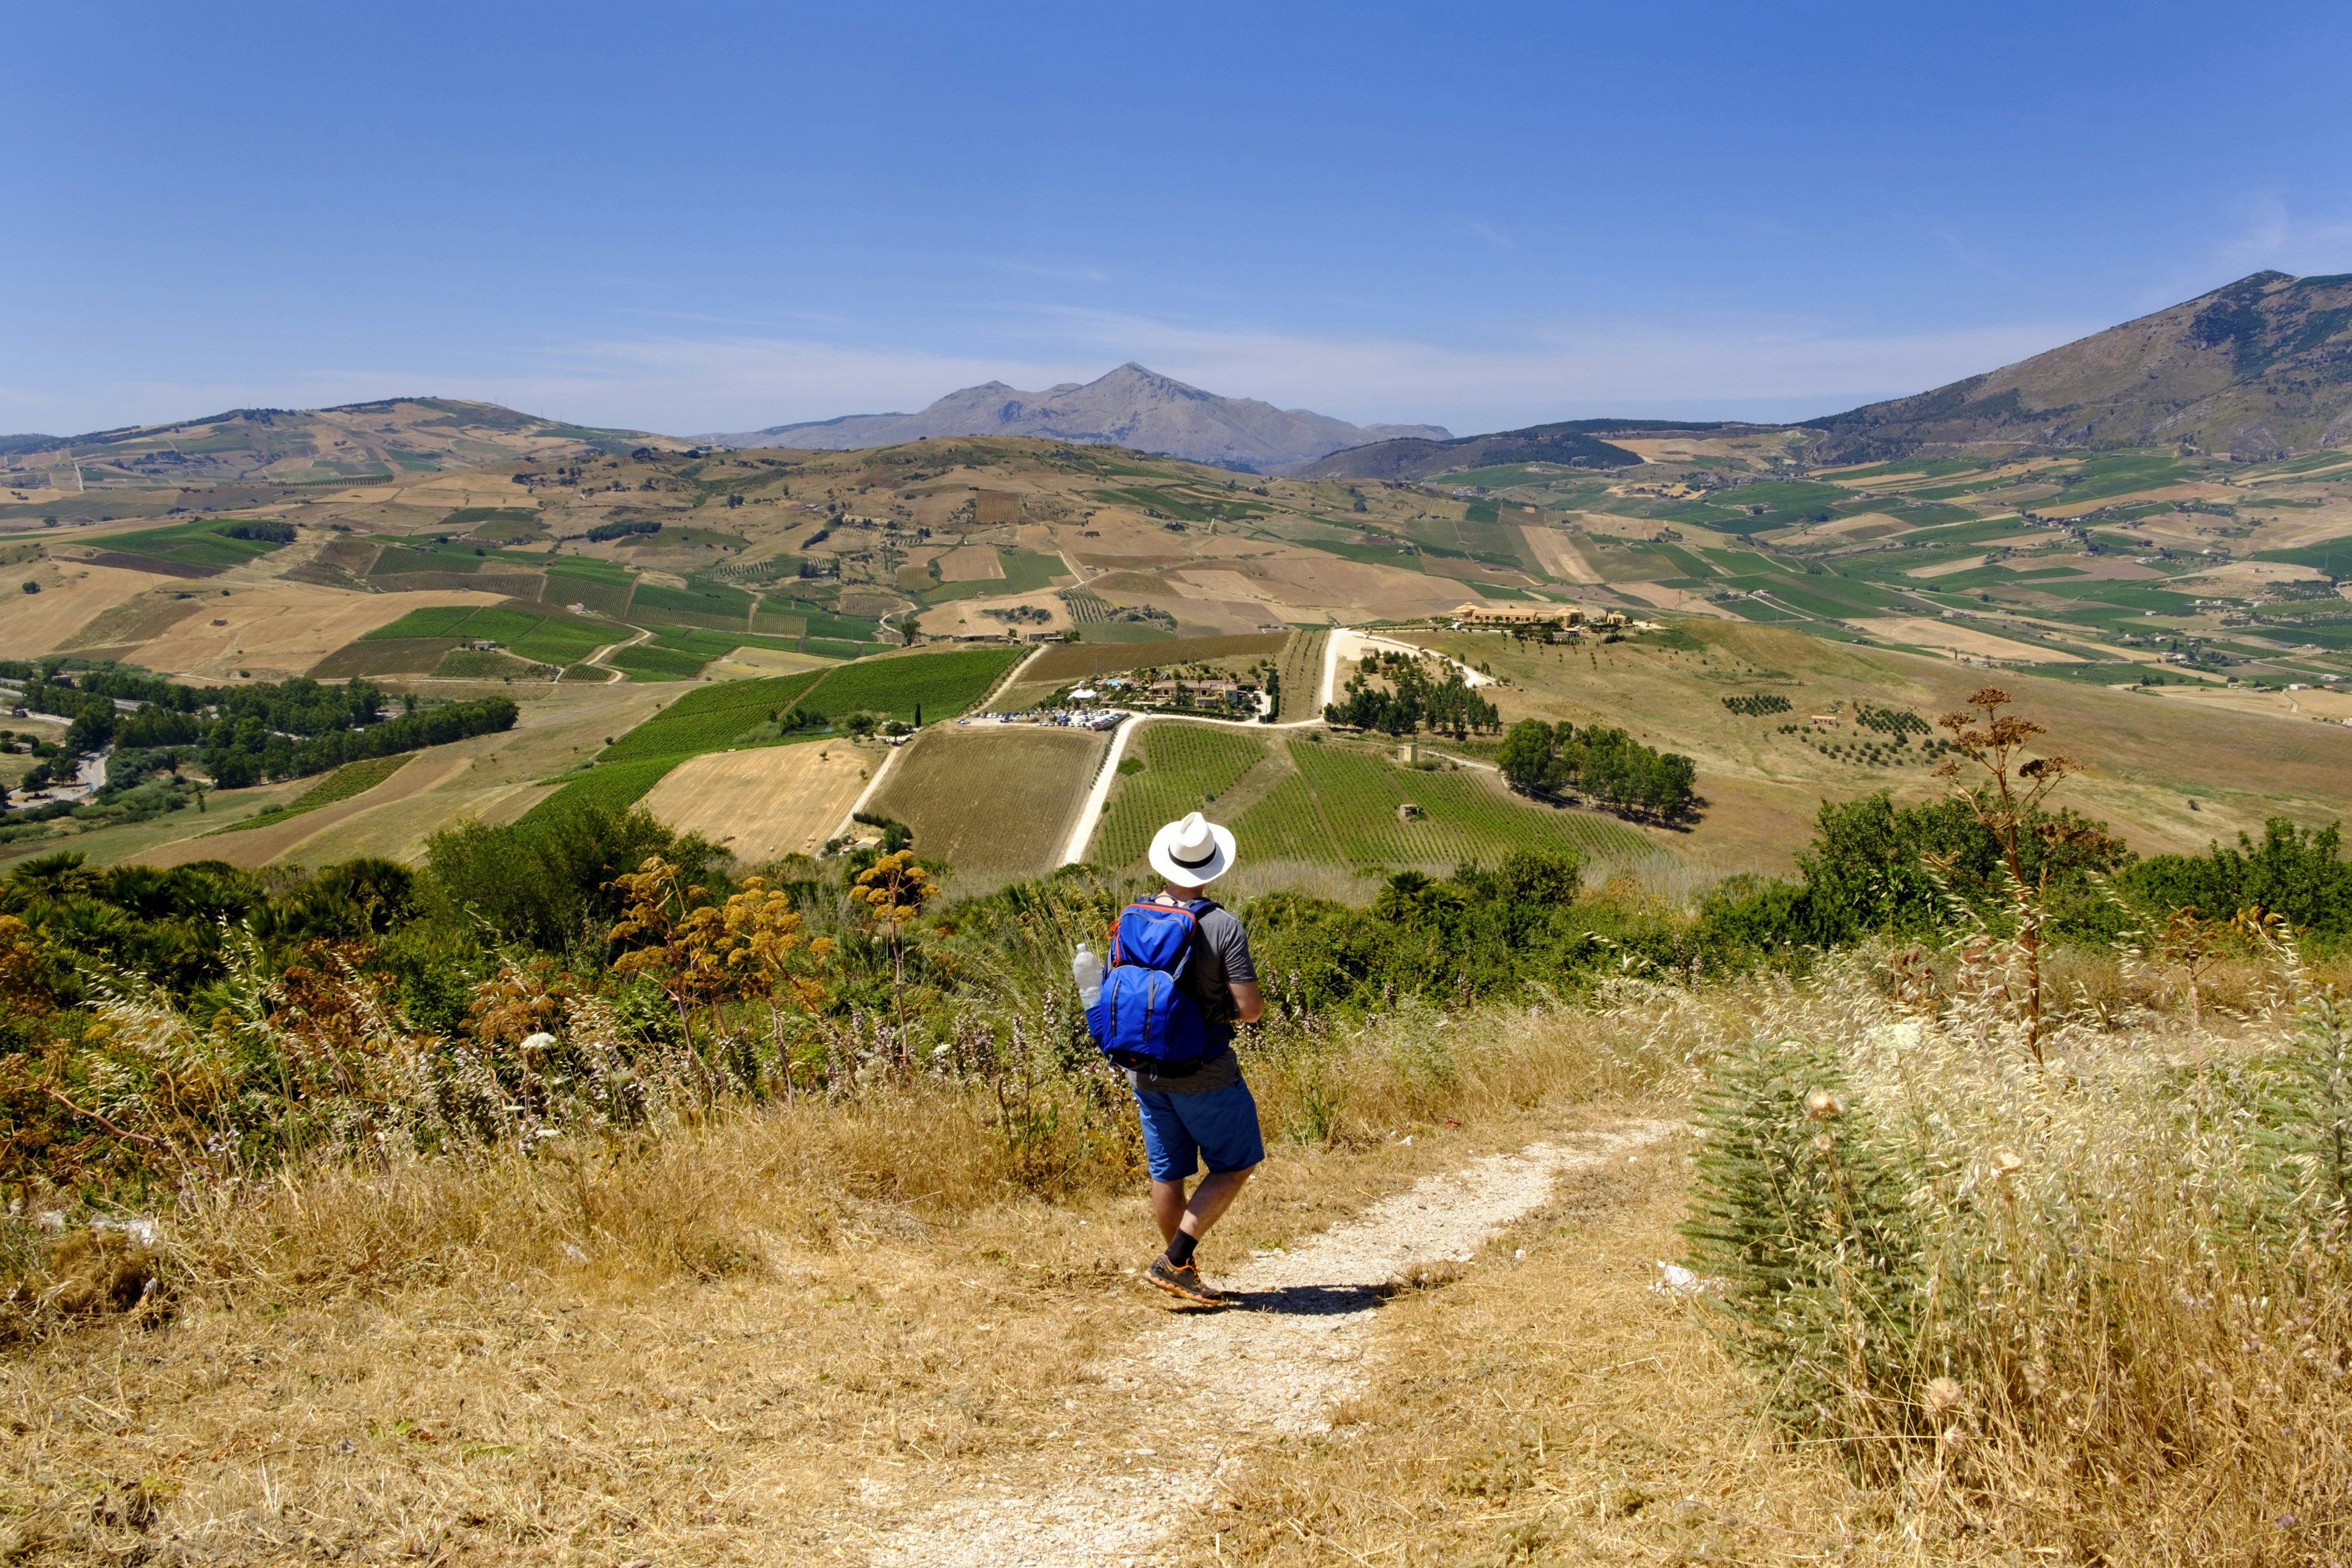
pixel 1208 1204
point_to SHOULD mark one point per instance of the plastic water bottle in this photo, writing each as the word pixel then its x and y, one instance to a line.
pixel 1086 969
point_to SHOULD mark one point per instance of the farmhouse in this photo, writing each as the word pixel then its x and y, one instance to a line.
pixel 1485 615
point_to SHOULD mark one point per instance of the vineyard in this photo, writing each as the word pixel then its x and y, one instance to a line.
pixel 941 684
pixel 609 786
pixel 1185 767
pixel 1345 806
pixel 653 662
pixel 707 717
pixel 531 634
pixel 990 803
pixel 1300 667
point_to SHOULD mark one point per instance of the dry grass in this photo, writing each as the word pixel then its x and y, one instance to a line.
pixel 692 1347
pixel 1548 1407
pixel 786 1330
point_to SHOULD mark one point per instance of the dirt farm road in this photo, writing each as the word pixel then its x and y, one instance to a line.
pixel 1275 1363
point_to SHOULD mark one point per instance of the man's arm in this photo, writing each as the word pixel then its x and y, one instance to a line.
pixel 1249 1003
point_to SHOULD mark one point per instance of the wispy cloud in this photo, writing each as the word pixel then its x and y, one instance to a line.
pixel 1477 230
pixel 1558 371
pixel 2263 230
pixel 687 382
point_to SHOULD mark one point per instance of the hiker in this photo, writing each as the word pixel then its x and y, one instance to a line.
pixel 1180 978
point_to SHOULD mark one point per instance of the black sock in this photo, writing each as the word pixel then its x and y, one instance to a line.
pixel 1180 1251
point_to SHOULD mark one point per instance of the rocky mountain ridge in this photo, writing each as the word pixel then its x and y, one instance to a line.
pixel 1132 407
pixel 2260 369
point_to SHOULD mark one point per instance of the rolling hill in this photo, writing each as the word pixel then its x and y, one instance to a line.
pixel 1576 443
pixel 1131 406
pixel 354 442
pixel 2261 369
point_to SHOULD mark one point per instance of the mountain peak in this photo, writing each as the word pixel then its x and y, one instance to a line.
pixel 2260 368
pixel 1129 406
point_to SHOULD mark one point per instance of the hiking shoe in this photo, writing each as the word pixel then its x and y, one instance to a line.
pixel 1185 1282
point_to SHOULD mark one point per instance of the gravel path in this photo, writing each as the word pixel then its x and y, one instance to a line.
pixel 1276 1362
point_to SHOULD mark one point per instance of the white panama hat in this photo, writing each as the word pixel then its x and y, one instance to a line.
pixel 1193 852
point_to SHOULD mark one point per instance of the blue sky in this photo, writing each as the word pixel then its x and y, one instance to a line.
pixel 698 218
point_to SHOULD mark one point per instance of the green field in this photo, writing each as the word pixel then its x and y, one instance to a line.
pixel 842 647
pixel 798 617
pixel 1342 805
pixel 534 635
pixel 942 684
pixel 2332 556
pixel 2123 475
pixel 680 653
pixel 497 524
pixel 611 786
pixel 1026 571
pixel 700 604
pixel 491 663
pixel 1151 499
pixel 648 661
pixel 709 717
pixel 1185 768
pixel 1772 503
pixel 599 587
pixel 199 543
pixel 402 560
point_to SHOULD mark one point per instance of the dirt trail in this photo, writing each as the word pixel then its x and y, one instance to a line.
pixel 1276 1364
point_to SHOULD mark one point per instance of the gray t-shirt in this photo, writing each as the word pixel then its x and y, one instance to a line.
pixel 1220 957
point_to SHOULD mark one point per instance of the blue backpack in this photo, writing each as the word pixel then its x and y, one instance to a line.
pixel 1143 1019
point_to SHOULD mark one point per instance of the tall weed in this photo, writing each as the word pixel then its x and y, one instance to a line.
pixel 2095 1301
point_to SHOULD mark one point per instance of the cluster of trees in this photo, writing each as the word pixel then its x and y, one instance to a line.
pixel 247 752
pixel 1412 700
pixel 245 734
pixel 260 530
pixel 1606 766
pixel 605 532
pixel 1873 867
pixel 538 908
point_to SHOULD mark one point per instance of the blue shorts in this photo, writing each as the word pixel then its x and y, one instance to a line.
pixel 1182 1130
